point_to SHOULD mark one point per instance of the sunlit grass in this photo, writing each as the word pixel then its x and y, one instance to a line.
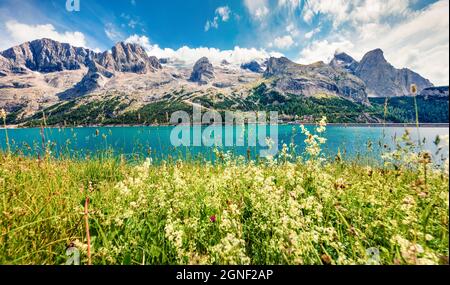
pixel 304 210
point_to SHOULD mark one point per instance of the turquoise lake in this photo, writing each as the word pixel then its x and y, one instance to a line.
pixel 352 142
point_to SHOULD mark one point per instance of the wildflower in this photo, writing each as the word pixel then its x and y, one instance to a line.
pixel 340 184
pixel 3 114
pixel 322 125
pixel 414 89
pixel 213 218
pixel 409 200
pixel 425 157
pixel 81 246
pixel 326 259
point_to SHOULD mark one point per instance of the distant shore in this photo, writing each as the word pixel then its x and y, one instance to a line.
pixel 348 125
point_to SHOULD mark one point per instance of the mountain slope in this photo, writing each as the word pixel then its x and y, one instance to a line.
pixel 125 85
pixel 381 78
pixel 314 79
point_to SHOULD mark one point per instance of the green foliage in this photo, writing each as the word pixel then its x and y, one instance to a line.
pixel 401 109
pixel 226 213
pixel 158 112
pixel 337 109
pixel 71 113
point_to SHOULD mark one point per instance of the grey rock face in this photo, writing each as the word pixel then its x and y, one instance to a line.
pixel 46 56
pixel 15 85
pixel 253 66
pixel 203 71
pixel 314 80
pixel 345 62
pixel 280 66
pixel 223 84
pixel 5 66
pixel 441 91
pixel 126 57
pixel 383 80
pixel 164 60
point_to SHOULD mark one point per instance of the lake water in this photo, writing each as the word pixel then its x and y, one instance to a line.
pixel 352 142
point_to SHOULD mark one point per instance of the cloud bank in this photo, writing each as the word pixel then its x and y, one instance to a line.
pixel 418 40
pixel 18 33
pixel 189 55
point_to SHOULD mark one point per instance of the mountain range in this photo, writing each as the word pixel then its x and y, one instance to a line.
pixel 73 85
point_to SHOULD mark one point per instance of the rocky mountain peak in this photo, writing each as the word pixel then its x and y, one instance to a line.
pixel 344 61
pixel 374 58
pixel 313 79
pixel 5 66
pixel 253 66
pixel 127 57
pixel 384 80
pixel 46 55
pixel 203 71
pixel 279 66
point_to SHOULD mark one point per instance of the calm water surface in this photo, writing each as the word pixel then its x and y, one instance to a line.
pixel 352 142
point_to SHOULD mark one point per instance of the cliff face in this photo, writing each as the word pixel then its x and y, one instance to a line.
pixel 345 62
pixel 314 80
pixel 203 71
pixel 380 77
pixel 48 56
pixel 42 74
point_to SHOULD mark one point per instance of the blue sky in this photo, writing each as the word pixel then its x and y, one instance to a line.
pixel 413 33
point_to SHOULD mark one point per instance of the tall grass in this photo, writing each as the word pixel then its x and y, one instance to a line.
pixel 289 210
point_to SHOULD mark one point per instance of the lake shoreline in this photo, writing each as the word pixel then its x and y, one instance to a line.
pixel 348 125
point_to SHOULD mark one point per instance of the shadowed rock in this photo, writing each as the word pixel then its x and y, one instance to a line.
pixel 314 80
pixel 384 80
pixel 203 71
pixel 253 66
pixel 345 62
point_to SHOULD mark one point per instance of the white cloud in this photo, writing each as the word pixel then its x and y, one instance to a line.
pixel 284 42
pixel 292 3
pixel 18 33
pixel 418 40
pixel 374 10
pixel 189 56
pixel 356 11
pixel 258 9
pixel 311 34
pixel 337 9
pixel 292 30
pixel 113 33
pixel 222 14
pixel 323 51
pixel 212 24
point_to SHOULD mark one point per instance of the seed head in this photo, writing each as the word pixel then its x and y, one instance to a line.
pixel 3 114
pixel 414 89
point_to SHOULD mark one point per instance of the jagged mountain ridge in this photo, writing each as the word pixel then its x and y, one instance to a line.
pixel 317 78
pixel 43 73
pixel 48 56
pixel 381 78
